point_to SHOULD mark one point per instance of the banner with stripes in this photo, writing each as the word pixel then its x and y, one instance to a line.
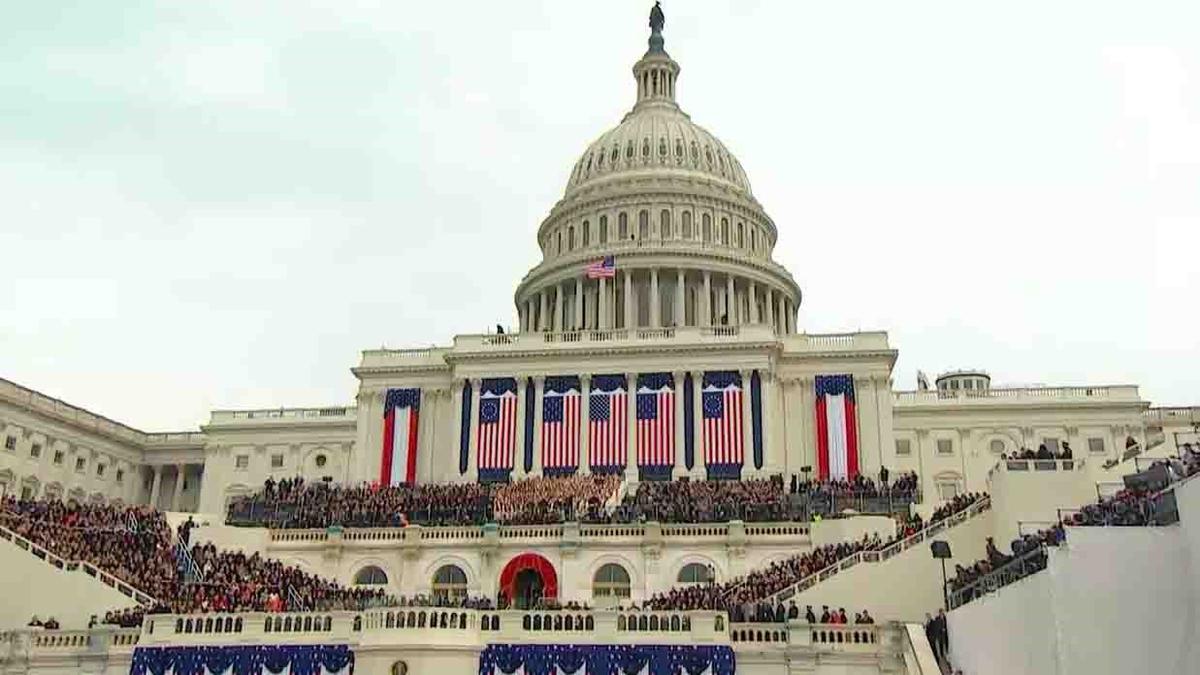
pixel 724 449
pixel 561 400
pixel 656 423
pixel 837 427
pixel 401 415
pixel 607 423
pixel 497 434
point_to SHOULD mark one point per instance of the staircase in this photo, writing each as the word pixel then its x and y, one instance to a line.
pixel 186 565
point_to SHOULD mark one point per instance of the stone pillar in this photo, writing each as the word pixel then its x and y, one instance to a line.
pixel 730 302
pixel 655 300
pixel 156 486
pixel 519 452
pixel 631 471
pixel 558 308
pixel 769 304
pixel 539 384
pixel 747 423
pixel 808 412
pixel 698 472
pixel 473 453
pixel 578 303
pixel 585 409
pixel 752 301
pixel 180 475
pixel 680 299
pixel 680 467
pixel 628 299
pixel 542 323
pixel 706 301
pixel 602 305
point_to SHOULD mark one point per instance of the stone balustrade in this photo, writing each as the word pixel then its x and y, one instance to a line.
pixel 862 638
pixel 77 566
pixel 1005 395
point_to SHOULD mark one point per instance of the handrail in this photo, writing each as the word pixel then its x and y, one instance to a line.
pixel 889 551
pixel 956 598
pixel 54 560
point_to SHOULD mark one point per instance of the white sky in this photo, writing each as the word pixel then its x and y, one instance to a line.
pixel 214 205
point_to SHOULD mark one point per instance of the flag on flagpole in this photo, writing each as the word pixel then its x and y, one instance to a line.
pixel 837 427
pixel 401 415
pixel 602 269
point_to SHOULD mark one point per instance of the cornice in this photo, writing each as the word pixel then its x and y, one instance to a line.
pixel 588 351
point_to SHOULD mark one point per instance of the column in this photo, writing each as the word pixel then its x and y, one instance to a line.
pixel 180 474
pixel 772 422
pixel 680 299
pixel 655 304
pixel 631 469
pixel 542 324
pixel 558 308
pixel 698 423
pixel 769 304
pixel 730 305
pixel 585 382
pixel 578 303
pixel 473 453
pixel 680 468
pixel 747 424
pixel 628 299
pixel 602 306
pixel 519 459
pixel 156 487
pixel 539 383
pixel 753 304
pixel 808 434
pixel 706 301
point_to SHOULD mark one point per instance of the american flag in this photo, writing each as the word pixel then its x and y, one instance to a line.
pixel 560 429
pixel 497 429
pixel 607 428
pixel 656 425
pixel 723 425
pixel 602 269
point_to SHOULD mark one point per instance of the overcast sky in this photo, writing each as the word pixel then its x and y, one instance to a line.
pixel 219 204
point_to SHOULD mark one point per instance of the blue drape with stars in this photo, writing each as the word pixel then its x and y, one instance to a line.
pixel 245 660
pixel 607 659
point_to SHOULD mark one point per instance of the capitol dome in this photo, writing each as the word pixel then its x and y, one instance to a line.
pixel 667 211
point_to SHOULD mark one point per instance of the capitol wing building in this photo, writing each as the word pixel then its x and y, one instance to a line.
pixel 658 340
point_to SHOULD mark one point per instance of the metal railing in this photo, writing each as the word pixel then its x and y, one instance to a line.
pixel 187 564
pixel 1016 569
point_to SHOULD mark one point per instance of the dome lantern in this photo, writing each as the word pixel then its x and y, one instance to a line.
pixel 656 72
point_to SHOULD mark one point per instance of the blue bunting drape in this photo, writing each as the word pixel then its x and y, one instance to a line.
pixel 246 660
pixel 607 659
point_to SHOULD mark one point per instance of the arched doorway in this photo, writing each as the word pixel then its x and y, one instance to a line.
pixel 528 579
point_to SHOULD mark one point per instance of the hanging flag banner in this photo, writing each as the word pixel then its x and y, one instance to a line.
pixel 497 434
pixel 607 423
pixel 561 401
pixel 656 423
pixel 401 416
pixel 837 427
pixel 724 446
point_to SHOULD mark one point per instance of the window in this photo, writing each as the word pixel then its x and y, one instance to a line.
pixel 687 224
pixel 945 446
pixel 622 226
pixel 99 471
pixel 695 573
pixel 664 224
pixel 1096 445
pixel 611 581
pixel 587 233
pixel 558 236
pixel 706 227
pixel 629 150
pixel 58 457
pixel 321 460
pixel 753 240
pixel 449 583
pixel 903 447
pixel 741 239
pixel 968 384
pixel 947 489
pixel 276 461
pixel 678 148
pixel 725 231
pixel 1051 444
pixel 603 229
pixel 35 450
pixel 643 224
pixel 120 476
pixel 241 461
pixel 10 443
pixel 371 575
pixel 79 464
pixel 997 446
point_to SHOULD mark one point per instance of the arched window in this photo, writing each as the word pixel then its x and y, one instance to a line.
pixel 687 224
pixel 571 238
pixel 603 229
pixel 611 581
pixel 558 237
pixel 623 226
pixel 741 239
pixel 753 240
pixel 695 573
pixel 587 233
pixel 629 150
pixel 449 583
pixel 643 224
pixel 664 225
pixel 371 575
pixel 724 232
pixel 706 227
pixel 678 148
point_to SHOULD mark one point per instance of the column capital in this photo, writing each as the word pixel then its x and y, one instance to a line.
pixel 585 379
pixel 745 373
pixel 522 382
pixel 475 382
pixel 678 376
pixel 539 381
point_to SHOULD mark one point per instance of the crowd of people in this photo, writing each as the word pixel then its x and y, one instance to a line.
pixel 1028 555
pixel 1043 452
pixel 541 500
pixel 688 501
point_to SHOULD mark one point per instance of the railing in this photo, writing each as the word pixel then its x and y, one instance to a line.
pixel 176 438
pixel 187 564
pixel 761 332
pixel 87 568
pixel 760 633
pixel 1018 568
pixel 882 554
pixel 1019 465
pixel 1109 392
pixel 336 412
